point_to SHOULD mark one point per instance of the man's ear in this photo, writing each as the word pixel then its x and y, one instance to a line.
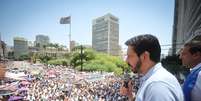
pixel 145 56
pixel 197 55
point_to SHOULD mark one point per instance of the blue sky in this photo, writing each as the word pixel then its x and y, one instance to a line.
pixel 27 18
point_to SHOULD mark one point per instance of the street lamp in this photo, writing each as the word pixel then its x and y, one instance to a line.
pixel 81 56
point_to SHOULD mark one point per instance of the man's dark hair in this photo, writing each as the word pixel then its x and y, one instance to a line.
pixel 147 43
pixel 194 46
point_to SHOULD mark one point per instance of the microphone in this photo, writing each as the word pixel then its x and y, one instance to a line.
pixel 126 79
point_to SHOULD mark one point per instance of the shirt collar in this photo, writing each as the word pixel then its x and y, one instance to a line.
pixel 197 66
pixel 151 71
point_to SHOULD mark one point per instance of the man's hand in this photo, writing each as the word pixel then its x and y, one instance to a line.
pixel 2 71
pixel 127 91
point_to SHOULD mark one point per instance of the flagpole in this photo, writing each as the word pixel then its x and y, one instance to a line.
pixel 67 20
pixel 70 35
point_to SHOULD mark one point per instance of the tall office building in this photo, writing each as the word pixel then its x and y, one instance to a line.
pixel 187 23
pixel 105 34
pixel 3 49
pixel 41 41
pixel 20 47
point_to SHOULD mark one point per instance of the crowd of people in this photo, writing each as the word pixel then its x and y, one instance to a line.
pixel 155 83
pixel 56 83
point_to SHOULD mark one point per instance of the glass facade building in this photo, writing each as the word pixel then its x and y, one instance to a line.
pixel 105 34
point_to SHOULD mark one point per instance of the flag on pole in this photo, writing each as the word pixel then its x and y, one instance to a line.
pixel 65 20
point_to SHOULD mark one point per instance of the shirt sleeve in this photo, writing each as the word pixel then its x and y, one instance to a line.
pixel 159 91
pixel 195 93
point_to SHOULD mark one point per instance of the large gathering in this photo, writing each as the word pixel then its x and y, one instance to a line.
pixel 58 83
pixel 100 50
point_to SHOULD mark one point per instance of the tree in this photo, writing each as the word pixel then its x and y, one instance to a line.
pixel 3 45
pixel 121 64
pixel 87 55
pixel 45 59
pixel 44 47
pixel 75 60
pixel 37 44
pixel 107 63
pixel 24 57
pixel 11 55
pixel 34 57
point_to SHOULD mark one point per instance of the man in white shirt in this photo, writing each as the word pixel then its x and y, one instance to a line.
pixel 157 84
pixel 191 58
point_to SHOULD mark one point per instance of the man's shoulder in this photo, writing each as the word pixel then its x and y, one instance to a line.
pixel 199 78
pixel 197 88
pixel 161 91
pixel 162 75
pixel 199 75
pixel 161 86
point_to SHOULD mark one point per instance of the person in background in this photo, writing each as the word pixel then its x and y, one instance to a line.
pixel 156 83
pixel 191 58
pixel 2 71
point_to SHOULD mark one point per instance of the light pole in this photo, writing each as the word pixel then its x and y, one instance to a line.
pixel 81 56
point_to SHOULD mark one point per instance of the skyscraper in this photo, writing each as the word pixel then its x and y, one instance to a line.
pixel 20 47
pixel 105 34
pixel 42 41
pixel 187 23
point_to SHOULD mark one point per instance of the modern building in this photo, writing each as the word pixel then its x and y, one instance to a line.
pixel 169 51
pixel 105 34
pixel 20 47
pixel 187 23
pixel 72 44
pixel 3 49
pixel 53 52
pixel 41 41
pixel 30 44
